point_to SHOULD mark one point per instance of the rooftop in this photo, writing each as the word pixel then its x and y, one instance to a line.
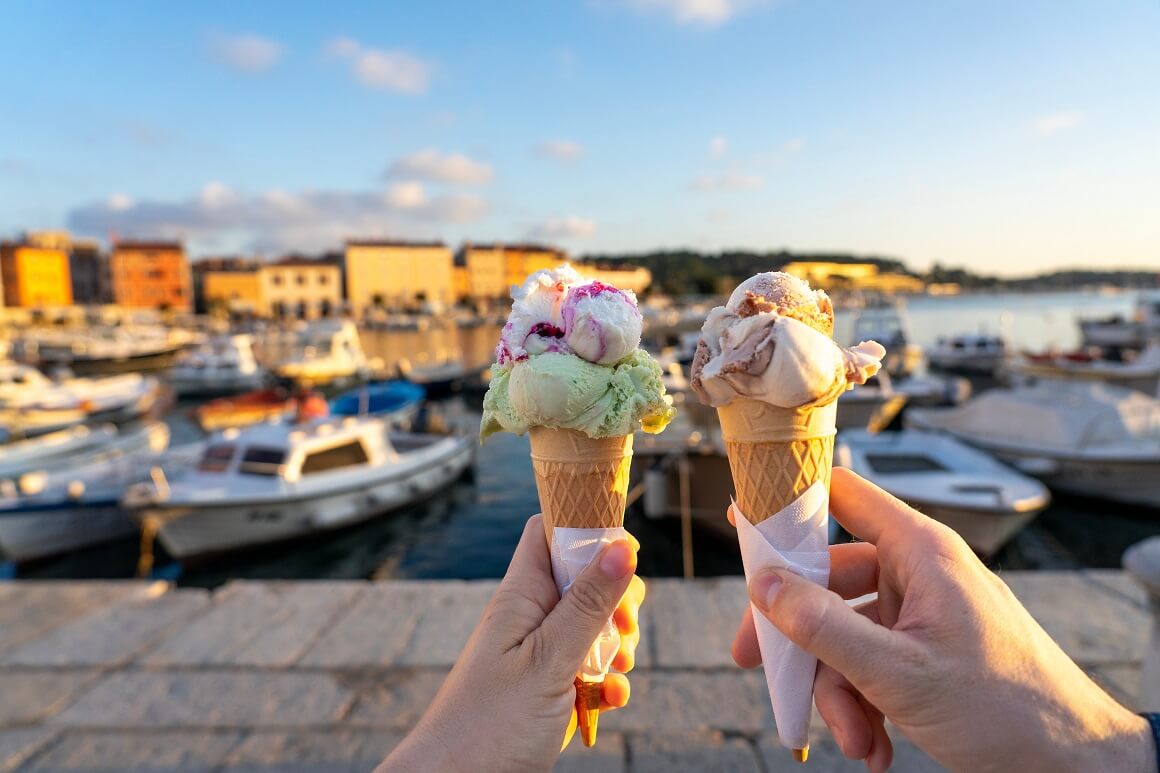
pixel 126 245
pixel 392 243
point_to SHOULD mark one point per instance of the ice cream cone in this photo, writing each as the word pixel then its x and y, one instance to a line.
pixel 583 484
pixel 582 481
pixel 775 454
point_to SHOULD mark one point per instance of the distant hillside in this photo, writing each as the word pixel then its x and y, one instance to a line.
pixel 689 272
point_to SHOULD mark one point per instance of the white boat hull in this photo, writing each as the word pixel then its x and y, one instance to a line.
pixel 193 531
pixel 1127 481
pixel 194 386
pixel 984 530
pixel 30 533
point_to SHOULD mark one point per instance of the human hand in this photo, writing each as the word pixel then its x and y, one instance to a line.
pixel 510 700
pixel 946 652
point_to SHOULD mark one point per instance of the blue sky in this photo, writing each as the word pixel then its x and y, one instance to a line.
pixel 1006 136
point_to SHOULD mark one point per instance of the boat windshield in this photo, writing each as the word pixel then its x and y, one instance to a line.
pixel 350 454
pixel 217 457
pixel 262 460
pixel 901 463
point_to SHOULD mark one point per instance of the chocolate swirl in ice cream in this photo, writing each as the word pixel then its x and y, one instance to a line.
pixel 772 342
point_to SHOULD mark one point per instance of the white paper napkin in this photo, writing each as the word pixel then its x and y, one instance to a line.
pixel 795 539
pixel 572 551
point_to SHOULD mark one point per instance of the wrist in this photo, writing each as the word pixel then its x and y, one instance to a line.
pixel 423 750
pixel 1127 744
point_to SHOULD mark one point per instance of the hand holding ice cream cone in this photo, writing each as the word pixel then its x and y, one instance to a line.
pixel 766 360
pixel 569 372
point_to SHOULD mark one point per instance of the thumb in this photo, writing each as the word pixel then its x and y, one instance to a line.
pixel 577 620
pixel 821 623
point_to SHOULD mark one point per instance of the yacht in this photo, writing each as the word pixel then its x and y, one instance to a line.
pixel 1118 332
pixel 328 352
pixel 222 365
pixel 974 353
pixel 1141 373
pixel 986 502
pixel 1085 438
pixel 273 482
pixel 105 349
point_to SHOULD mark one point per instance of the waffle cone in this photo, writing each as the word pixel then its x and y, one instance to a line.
pixel 582 481
pixel 775 454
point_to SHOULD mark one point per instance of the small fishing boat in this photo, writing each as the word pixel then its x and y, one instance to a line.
pixel 220 366
pixel 872 405
pixel 1141 373
pixel 243 410
pixel 444 377
pixel 1085 438
pixel 888 324
pixel 396 402
pixel 101 350
pixel 34 403
pixel 974 353
pixel 274 482
pixel 73 446
pixel 986 502
pixel 50 512
pixel 1119 332
pixel 328 352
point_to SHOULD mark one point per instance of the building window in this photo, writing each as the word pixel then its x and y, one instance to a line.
pixel 276 279
pixel 300 278
pixel 323 279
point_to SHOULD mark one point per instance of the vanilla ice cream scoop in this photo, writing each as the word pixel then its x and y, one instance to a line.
pixel 771 342
pixel 601 323
pixel 536 322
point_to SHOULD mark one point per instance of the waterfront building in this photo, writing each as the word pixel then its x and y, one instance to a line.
pixel 853 276
pixel 34 275
pixel 150 275
pixel 89 271
pixel 293 287
pixel 397 275
pixel 298 287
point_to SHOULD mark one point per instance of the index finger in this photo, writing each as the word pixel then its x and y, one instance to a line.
pixel 867 511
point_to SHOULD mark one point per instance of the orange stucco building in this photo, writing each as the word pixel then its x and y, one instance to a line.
pixel 150 275
pixel 35 276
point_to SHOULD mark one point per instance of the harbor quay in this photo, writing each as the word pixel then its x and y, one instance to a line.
pixel 330 675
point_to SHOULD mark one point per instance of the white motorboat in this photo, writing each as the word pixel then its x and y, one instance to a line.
pixel 1141 373
pixel 274 482
pixel 986 502
pixel 974 353
pixel 222 365
pixel 872 405
pixel 933 391
pixel 1084 438
pixel 34 403
pixel 1119 332
pixel 328 351
pixel 104 349
pixel 47 513
pixel 888 324
pixel 77 446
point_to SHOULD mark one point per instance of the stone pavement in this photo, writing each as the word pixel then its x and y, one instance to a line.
pixel 328 676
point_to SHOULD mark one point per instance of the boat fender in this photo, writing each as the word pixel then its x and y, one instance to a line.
pixel 76 489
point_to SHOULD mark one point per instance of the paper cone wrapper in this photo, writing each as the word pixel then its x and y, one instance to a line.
pixel 781 461
pixel 583 488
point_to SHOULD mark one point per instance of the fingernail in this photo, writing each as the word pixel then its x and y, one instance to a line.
pixel 763 589
pixel 618 561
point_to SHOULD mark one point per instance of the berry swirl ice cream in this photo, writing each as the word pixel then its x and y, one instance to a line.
pixel 569 358
pixel 771 342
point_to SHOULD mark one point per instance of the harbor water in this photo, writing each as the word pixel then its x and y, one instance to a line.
pixel 469 530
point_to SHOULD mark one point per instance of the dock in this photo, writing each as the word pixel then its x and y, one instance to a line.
pixel 329 676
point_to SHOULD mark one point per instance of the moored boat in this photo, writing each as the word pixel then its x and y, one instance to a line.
pixel 974 353
pixel 33 403
pixel 986 502
pixel 275 482
pixel 222 365
pixel 1141 373
pixel 1084 438
pixel 872 405
pixel 396 402
pixel 888 324
pixel 445 377
pixel 243 410
pixel 328 352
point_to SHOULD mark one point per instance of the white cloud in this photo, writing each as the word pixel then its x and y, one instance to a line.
pixel 709 13
pixel 385 69
pixel 431 165
pixel 1057 122
pixel 565 150
pixel 569 227
pixel 718 146
pixel 728 182
pixel 278 219
pixel 793 146
pixel 245 53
